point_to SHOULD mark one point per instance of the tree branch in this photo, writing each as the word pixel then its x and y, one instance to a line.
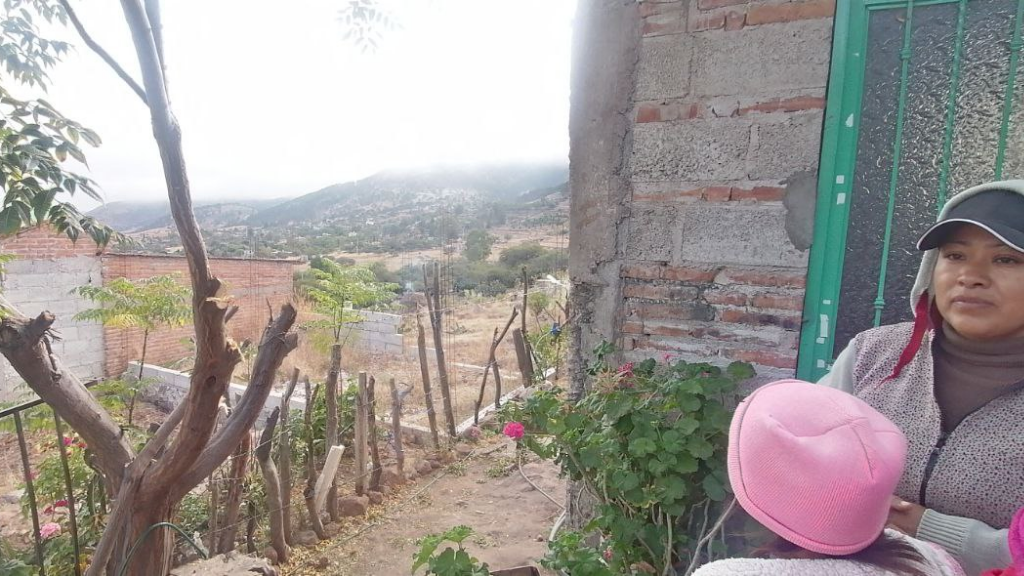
pixel 24 343
pixel 156 23
pixel 92 44
pixel 277 342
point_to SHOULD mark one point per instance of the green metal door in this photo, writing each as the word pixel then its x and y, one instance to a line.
pixel 921 104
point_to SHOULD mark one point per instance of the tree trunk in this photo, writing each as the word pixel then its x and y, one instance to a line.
pixel 233 504
pixel 273 485
pixel 428 398
pixel 285 456
pixel 359 444
pixel 396 429
pixel 436 317
pixel 371 403
pixel 331 436
pixel 311 475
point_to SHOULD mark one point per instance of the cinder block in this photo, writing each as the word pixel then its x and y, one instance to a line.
pixel 664 68
pixel 729 234
pixel 651 230
pixel 692 150
pixel 762 60
pixel 786 148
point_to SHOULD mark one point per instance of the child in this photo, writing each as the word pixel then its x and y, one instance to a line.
pixel 818 468
pixel 1016 539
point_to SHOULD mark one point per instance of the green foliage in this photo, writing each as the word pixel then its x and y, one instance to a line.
pixel 11 567
pixel 336 288
pixel 649 444
pixel 35 139
pixel 146 304
pixel 51 494
pixel 569 552
pixel 449 562
pixel 478 246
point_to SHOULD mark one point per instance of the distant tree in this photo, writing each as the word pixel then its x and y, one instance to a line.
pixel 478 246
pixel 147 304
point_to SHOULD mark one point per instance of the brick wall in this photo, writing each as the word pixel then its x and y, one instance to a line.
pixel 251 284
pixel 727 114
pixel 46 267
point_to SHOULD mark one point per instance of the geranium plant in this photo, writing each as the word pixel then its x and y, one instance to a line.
pixel 648 443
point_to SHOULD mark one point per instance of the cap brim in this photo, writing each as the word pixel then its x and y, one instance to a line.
pixel 937 234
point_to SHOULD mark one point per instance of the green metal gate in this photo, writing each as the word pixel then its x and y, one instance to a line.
pixel 921 104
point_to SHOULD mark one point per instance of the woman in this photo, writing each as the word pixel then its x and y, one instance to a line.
pixel 952 380
pixel 817 467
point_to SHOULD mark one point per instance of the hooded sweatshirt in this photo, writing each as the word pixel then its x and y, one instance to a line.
pixel 936 563
pixel 966 473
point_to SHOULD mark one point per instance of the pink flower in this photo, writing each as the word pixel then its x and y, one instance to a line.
pixel 49 530
pixel 60 504
pixel 82 445
pixel 68 441
pixel 514 430
pixel 626 369
pixel 608 554
pixel 667 357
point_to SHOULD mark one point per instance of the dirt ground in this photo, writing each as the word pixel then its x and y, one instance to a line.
pixel 483 490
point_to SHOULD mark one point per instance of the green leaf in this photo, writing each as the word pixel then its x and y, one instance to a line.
pixel 642 447
pixel 700 448
pixel 740 371
pixel 713 488
pixel 10 221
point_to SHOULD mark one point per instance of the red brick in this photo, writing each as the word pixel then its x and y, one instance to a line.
pixel 632 327
pixel 755 318
pixel 795 104
pixel 725 298
pixel 689 274
pixel 703 22
pixel 712 4
pixel 790 11
pixel 761 357
pixel 641 271
pixel 674 311
pixel 734 21
pixel 717 193
pixel 779 302
pixel 768 278
pixel 650 292
pixel 667 196
pixel 759 193
pixel 648 113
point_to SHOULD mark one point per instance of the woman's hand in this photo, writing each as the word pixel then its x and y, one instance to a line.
pixel 905 516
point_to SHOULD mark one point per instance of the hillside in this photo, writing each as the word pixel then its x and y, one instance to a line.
pixel 130 217
pixel 409 189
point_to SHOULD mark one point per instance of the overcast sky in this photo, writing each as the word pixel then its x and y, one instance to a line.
pixel 273 102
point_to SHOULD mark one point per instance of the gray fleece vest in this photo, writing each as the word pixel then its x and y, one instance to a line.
pixel 977 470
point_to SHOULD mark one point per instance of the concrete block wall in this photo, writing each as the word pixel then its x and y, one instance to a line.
pixel 46 268
pixel 728 113
pixel 250 283
pixel 713 198
pixel 377 333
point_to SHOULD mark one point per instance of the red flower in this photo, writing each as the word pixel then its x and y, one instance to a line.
pixel 60 504
pixel 626 369
pixel 48 510
pixel 514 430
pixel 82 445
pixel 68 441
pixel 608 554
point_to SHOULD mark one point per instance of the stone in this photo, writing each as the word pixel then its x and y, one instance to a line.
pixel 463 450
pixel 435 464
pixel 271 555
pixel 423 467
pixel 306 538
pixel 664 70
pixel 696 150
pixel 391 477
pixel 322 563
pixel 651 231
pixel 375 497
pixel 738 235
pixel 351 506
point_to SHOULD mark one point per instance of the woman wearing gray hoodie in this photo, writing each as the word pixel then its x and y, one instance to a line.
pixel 953 379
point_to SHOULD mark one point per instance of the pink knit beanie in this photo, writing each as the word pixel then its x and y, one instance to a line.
pixel 815 465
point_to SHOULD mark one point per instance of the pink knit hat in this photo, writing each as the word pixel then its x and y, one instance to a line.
pixel 815 465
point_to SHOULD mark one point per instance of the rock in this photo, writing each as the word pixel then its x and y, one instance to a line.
pixel 375 497
pixel 385 489
pixel 463 450
pixel 435 464
pixel 423 467
pixel 391 477
pixel 332 529
pixel 271 555
pixel 306 538
pixel 351 506
pixel 322 563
